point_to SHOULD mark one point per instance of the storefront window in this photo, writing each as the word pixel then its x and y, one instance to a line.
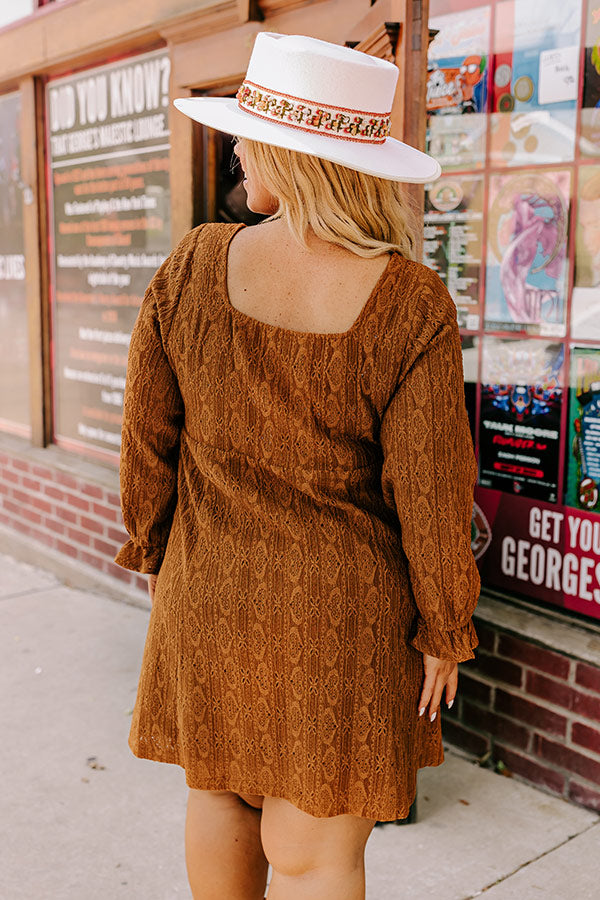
pixel 108 146
pixel 512 227
pixel 14 357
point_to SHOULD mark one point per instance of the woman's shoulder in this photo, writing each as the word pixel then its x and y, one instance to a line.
pixel 422 297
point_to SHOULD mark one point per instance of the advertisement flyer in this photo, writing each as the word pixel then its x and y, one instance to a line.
pixel 109 154
pixel 535 81
pixel 543 551
pixel 526 279
pixel 14 355
pixel 457 84
pixel 590 107
pixel 453 238
pixel 585 301
pixel 583 459
pixel 519 429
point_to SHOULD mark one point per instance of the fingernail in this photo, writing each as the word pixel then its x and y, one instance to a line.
pixel 450 704
pixel 422 710
pixel 433 717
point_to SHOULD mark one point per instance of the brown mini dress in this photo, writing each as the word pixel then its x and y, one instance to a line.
pixel 306 501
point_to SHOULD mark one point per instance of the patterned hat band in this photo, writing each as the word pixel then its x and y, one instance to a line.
pixel 307 115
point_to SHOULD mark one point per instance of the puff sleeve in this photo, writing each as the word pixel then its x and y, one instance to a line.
pixel 428 475
pixel 152 420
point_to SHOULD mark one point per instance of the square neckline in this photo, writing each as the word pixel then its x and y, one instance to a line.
pixel 251 320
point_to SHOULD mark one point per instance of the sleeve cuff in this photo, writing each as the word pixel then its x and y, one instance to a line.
pixel 146 560
pixel 455 645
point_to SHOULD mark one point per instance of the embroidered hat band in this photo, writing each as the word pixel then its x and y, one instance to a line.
pixel 307 115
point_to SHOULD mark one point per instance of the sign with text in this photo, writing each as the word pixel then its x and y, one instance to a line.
pixel 540 550
pixel 109 154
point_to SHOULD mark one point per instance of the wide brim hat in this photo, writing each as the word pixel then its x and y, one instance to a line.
pixel 319 98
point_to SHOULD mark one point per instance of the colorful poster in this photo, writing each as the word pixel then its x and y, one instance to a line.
pixel 526 279
pixel 453 238
pixel 457 80
pixel 519 428
pixel 14 354
pixel 585 303
pixel 544 552
pixel 583 468
pixel 590 111
pixel 535 82
pixel 109 156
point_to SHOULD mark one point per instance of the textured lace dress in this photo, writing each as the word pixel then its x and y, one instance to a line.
pixel 306 500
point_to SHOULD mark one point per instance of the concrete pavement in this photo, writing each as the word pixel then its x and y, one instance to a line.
pixel 82 819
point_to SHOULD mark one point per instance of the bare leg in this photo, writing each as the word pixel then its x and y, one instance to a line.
pixel 313 858
pixel 223 850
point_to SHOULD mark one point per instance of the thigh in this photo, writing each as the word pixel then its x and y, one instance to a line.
pixel 294 839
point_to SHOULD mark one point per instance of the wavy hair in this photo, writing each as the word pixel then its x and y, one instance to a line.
pixel 363 213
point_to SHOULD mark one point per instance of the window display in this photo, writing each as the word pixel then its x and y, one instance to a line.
pixel 513 229
pixel 14 355
pixel 108 143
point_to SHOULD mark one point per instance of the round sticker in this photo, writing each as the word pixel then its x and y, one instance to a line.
pixel 446 196
pixel 502 75
pixel 506 103
pixel 523 88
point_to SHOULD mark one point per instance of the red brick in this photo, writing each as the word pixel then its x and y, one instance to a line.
pixel 457 734
pixel 66 480
pixel 67 549
pixel 90 559
pixel 12 507
pixel 117 572
pixel 578 793
pixel 31 484
pixel 66 515
pixel 117 535
pixel 474 689
pixel 41 472
pixel 42 506
pixel 20 464
pixel 141 583
pixel 113 499
pixel 588 677
pixel 536 657
pixel 12 477
pixel 549 690
pixel 532 771
pixel 31 516
pixel 92 490
pixel 54 526
pixel 3 488
pixel 78 502
pixel 104 547
pixel 533 715
pixel 54 492
pixel 498 726
pixel 586 705
pixel 568 759
pixel 500 669
pixel 92 525
pixel 106 512
pixel 78 536
pixel 585 736
pixel 21 496
pixel 486 635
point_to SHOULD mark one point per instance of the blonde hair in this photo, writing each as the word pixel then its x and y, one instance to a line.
pixel 363 213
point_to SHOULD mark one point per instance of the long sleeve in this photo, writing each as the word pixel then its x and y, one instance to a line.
pixel 152 419
pixel 428 476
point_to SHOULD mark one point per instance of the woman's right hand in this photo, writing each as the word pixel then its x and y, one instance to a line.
pixel 152 586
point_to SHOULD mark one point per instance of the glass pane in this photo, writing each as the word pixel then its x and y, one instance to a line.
pixel 109 151
pixel 14 353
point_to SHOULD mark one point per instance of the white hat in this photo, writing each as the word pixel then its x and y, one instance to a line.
pixel 319 98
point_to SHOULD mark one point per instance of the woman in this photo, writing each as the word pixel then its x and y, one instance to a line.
pixel 297 477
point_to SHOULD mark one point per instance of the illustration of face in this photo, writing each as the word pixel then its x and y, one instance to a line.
pixel 520 401
pixel 471 71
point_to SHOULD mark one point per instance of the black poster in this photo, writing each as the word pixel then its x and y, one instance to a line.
pixel 14 356
pixel 109 152
pixel 519 429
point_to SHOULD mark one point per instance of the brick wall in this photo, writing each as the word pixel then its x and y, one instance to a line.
pixel 65 512
pixel 532 709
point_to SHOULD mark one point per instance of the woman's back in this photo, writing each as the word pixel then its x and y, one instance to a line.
pixel 323 289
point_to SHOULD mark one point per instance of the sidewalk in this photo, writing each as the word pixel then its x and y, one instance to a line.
pixel 83 819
